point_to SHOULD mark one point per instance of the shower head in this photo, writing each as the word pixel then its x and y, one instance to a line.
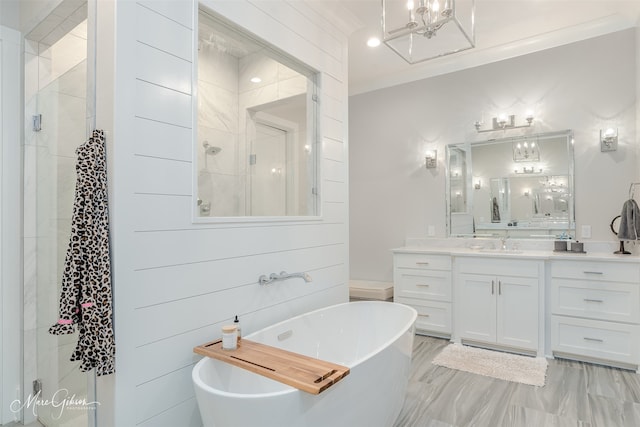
pixel 211 149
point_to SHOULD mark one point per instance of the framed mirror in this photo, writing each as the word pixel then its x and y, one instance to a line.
pixel 255 150
pixel 517 186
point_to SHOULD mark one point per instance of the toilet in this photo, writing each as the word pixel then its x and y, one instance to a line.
pixel 370 290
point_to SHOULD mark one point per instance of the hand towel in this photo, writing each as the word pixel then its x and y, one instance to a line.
pixel 629 228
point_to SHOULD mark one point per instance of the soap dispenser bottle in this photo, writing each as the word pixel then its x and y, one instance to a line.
pixel 236 322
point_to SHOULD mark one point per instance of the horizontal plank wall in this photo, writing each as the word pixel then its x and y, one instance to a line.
pixel 176 282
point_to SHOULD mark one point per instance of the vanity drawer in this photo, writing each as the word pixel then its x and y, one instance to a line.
pixel 596 300
pixel 429 284
pixel 595 339
pixel 497 266
pixel 598 270
pixel 426 261
pixel 433 316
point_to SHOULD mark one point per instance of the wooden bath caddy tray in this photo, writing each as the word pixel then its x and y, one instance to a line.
pixel 297 370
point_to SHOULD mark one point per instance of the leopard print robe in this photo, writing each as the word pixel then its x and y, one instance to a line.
pixel 85 300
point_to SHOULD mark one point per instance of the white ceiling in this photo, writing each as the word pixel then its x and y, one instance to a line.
pixel 504 28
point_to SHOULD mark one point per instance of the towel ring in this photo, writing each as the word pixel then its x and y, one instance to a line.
pixel 611 225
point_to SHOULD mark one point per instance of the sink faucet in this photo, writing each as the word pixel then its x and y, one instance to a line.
pixel 503 243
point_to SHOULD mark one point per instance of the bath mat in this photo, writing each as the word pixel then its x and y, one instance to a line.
pixel 494 364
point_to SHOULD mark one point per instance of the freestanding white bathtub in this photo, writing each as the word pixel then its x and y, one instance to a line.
pixel 373 338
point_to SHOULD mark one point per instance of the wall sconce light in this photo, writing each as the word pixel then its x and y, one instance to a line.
pixel 504 122
pixel 526 192
pixel 431 159
pixel 478 184
pixel 609 140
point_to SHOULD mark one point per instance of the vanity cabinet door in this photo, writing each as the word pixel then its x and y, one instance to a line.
pixel 499 310
pixel 517 312
pixel 477 307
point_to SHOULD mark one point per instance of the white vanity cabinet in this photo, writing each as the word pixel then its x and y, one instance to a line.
pixel 498 303
pixel 595 311
pixel 423 281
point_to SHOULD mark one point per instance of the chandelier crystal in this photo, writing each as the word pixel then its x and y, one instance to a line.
pixel 419 30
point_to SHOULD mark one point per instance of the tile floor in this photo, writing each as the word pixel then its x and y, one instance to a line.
pixel 576 394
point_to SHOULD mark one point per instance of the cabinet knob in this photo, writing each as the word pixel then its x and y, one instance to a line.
pixel 424 285
pixel 593 339
pixel 593 300
pixel 593 272
pixel 422 263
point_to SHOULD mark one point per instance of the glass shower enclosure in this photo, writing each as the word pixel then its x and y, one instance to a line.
pixel 57 120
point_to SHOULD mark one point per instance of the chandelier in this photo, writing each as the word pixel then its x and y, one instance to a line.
pixel 526 152
pixel 419 30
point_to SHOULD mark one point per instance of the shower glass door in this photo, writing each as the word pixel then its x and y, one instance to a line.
pixel 55 125
pixel 269 171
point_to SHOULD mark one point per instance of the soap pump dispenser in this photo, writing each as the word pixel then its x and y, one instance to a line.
pixel 236 322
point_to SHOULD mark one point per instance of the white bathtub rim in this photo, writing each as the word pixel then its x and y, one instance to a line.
pixel 216 391
pixel 195 373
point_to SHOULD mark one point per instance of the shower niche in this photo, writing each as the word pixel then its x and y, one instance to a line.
pixel 256 136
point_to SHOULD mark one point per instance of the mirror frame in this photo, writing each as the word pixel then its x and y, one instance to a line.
pixel 468 184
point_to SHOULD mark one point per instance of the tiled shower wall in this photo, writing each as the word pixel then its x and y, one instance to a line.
pixel 221 177
pixel 10 234
pixel 279 82
pixel 224 95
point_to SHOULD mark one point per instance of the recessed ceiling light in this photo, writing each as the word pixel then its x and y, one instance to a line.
pixel 256 79
pixel 373 42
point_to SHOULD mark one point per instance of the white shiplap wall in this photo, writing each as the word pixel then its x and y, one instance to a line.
pixel 176 282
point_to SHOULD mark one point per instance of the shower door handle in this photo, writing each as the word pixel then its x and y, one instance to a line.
pixel 36 121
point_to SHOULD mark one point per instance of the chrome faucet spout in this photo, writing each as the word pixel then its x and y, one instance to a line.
pixel 264 280
pixel 304 276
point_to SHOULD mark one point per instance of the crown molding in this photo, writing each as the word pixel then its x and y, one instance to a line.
pixel 482 56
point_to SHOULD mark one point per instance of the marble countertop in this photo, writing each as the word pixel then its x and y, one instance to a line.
pixel 595 251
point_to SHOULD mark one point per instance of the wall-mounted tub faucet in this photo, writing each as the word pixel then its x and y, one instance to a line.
pixel 264 280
